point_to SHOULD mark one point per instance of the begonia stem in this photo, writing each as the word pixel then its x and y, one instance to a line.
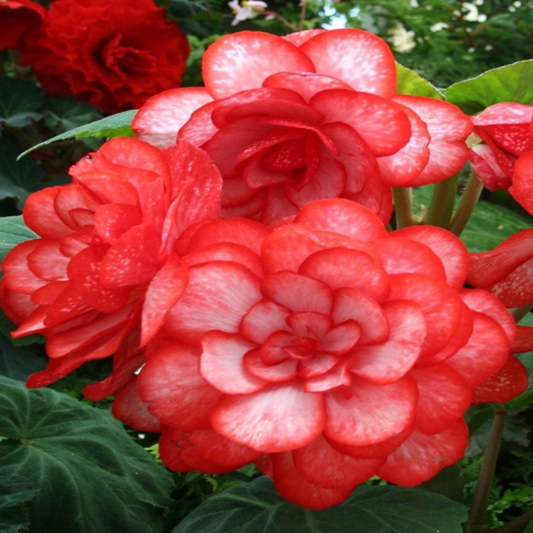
pixel 283 20
pixel 303 3
pixel 403 206
pixel 486 475
pixel 467 204
pixel 441 208
pixel 518 525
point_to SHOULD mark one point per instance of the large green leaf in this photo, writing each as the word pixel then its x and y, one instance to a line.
pixel 118 125
pixel 90 475
pixel 512 83
pixel 256 507
pixel 18 362
pixel 409 82
pixel 19 102
pixel 12 232
pixel 16 493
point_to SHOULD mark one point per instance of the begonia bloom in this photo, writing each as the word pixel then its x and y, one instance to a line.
pixel 104 271
pixel 312 115
pixel 327 350
pixel 18 20
pixel 505 157
pixel 122 53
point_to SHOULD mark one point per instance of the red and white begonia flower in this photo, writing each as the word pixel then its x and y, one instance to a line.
pixel 327 350
pixel 312 115
pixel 104 270
pixel 504 158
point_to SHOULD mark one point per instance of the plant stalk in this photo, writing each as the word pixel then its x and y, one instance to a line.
pixel 518 525
pixel 403 206
pixel 486 475
pixel 441 208
pixel 467 204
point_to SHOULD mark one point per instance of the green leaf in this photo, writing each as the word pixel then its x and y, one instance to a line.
pixel 90 475
pixel 529 528
pixel 256 507
pixel 16 492
pixel 512 83
pixel 13 231
pixel 17 178
pixel 409 82
pixel 64 114
pixel 118 125
pixel 19 102
pixel 490 225
pixel 18 362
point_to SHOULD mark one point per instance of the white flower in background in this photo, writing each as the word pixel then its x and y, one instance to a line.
pixel 248 10
pixel 401 39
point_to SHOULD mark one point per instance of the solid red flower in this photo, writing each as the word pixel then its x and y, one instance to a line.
pixel 113 55
pixel 103 273
pixel 18 20
pixel 505 157
pixel 309 116
pixel 327 350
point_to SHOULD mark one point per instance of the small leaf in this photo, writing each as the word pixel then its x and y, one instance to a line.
pixel 19 102
pixel 512 83
pixel 89 473
pixel 18 362
pixel 16 493
pixel 118 125
pixel 13 231
pixel 257 507
pixel 410 83
pixel 64 114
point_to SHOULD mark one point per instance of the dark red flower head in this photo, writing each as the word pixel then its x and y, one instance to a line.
pixel 18 21
pixel 104 271
pixel 113 55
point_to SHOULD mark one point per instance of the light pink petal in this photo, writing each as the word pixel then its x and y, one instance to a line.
pixel 486 303
pixel 277 206
pixel 382 123
pixel 47 262
pixel 222 364
pixel 491 165
pixel 218 296
pixel 294 488
pixel 15 266
pixel 225 251
pixel 328 379
pixel 164 291
pixel 275 373
pixel 474 361
pixel 522 187
pixel 263 319
pixel 200 128
pixel 321 464
pixel 111 221
pixel 504 113
pixel 40 215
pixel 508 383
pixel 377 197
pixel 172 385
pixel 297 292
pixel 373 413
pixel 243 60
pixel 422 456
pixel 319 365
pixel 342 338
pixel 447 247
pixel 309 324
pixel 278 418
pixel 130 409
pixel 402 256
pixel 362 60
pixel 439 302
pixel 388 362
pixel 300 37
pixel 353 305
pixel 344 217
pixel 444 397
pixel 162 115
pixel 408 162
pixel 132 260
pixel 341 267
pixel 306 84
